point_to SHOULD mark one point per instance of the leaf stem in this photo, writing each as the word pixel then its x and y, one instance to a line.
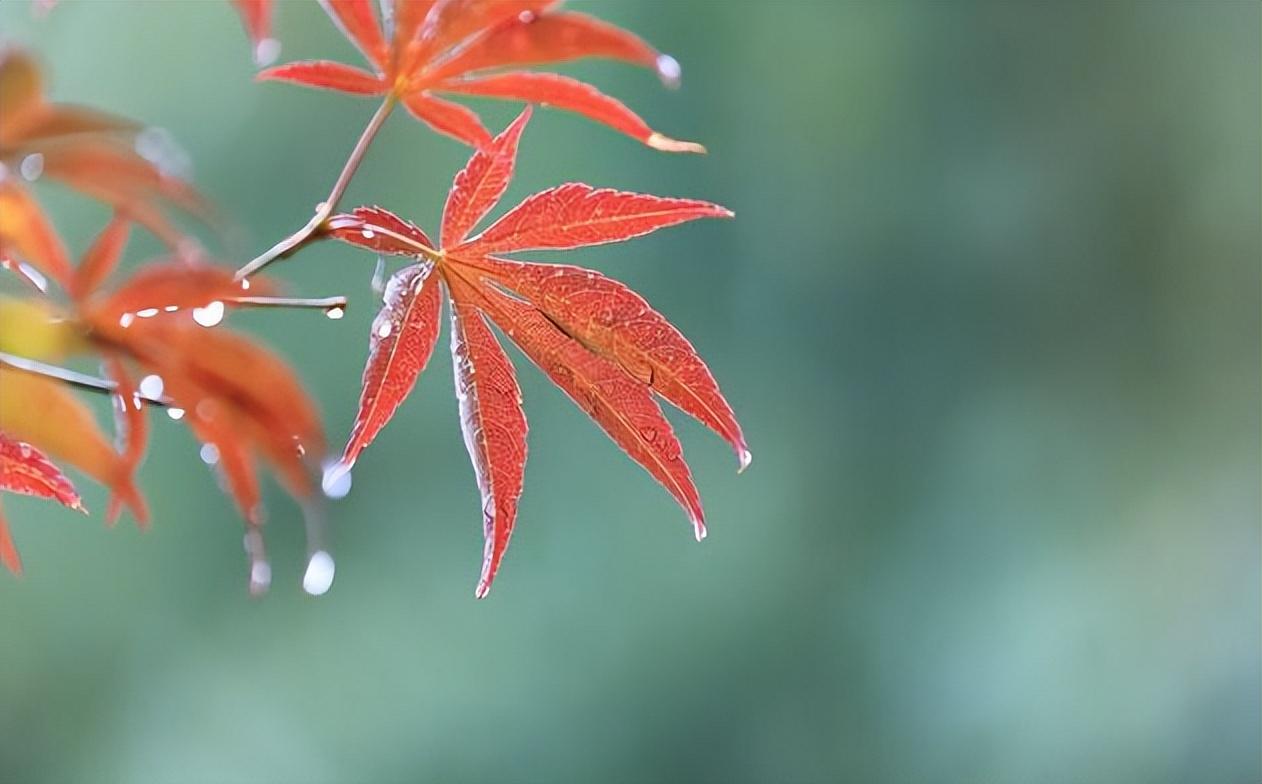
pixel 306 303
pixel 315 226
pixel 70 377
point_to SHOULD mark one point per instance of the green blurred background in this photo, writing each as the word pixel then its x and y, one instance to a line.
pixel 989 313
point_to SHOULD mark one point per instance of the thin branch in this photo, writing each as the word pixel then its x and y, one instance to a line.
pixel 314 227
pixel 327 304
pixel 70 377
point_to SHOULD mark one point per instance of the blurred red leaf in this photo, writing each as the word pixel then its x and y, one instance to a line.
pixel 90 151
pixel 44 414
pixel 26 471
pixel 595 339
pixel 446 46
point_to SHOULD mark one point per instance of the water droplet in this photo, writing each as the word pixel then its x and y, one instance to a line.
pixel 175 413
pixel 159 147
pixel 745 459
pixel 336 312
pixel 526 17
pixel 368 233
pixel 266 52
pixel 25 449
pixel 384 329
pixel 648 434
pixel 126 320
pixel 32 166
pixel 34 276
pixel 319 575
pixel 379 277
pixel 245 284
pixel 151 386
pixel 260 577
pixel 668 70
pixel 171 308
pixel 210 315
pixel 147 313
pixel 209 454
pixel 336 481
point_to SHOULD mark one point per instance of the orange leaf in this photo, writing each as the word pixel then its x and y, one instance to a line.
pixel 403 337
pixel 596 340
pixel 436 43
pixel 494 428
pixel 325 75
pixel 26 471
pixel 24 228
pixel 575 215
pixel 481 183
pixel 42 413
pixel 131 428
pixel 612 320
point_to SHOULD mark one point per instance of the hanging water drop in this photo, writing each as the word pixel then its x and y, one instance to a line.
pixel 336 312
pixel 668 71
pixel 319 575
pixel 175 413
pixel 266 52
pixel 209 454
pixel 336 480
pixel 379 277
pixel 260 577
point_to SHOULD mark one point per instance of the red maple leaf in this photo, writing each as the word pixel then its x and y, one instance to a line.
pixel 26 471
pixel 596 339
pixel 462 46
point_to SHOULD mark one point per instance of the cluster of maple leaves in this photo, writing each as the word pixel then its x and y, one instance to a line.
pixel 156 332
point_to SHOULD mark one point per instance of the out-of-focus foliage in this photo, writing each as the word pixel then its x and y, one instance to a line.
pixel 990 314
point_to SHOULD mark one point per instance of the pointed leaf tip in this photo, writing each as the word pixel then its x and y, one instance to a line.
pixel 664 143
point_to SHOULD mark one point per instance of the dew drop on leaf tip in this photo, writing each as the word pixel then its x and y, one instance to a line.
pixel 266 52
pixel 335 483
pixel 260 577
pixel 668 70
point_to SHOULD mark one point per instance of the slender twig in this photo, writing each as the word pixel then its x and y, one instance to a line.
pixel 321 303
pixel 70 377
pixel 314 227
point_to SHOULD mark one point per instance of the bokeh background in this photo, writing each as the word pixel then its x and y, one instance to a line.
pixel 989 314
